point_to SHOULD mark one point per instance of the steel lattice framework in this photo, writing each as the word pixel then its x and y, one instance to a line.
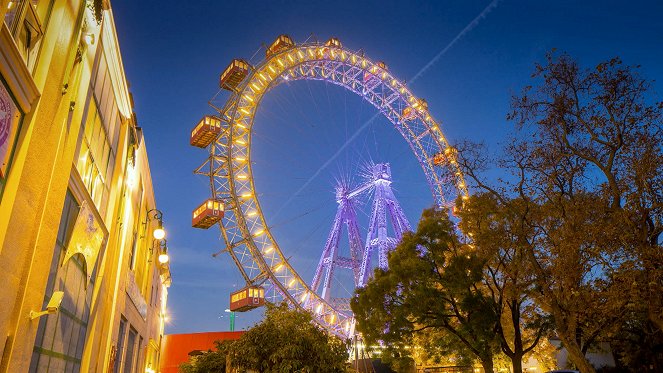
pixel 248 239
pixel 384 206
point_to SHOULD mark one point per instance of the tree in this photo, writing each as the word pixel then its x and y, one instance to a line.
pixel 433 284
pixel 208 362
pixel 586 196
pixel 286 340
pixel 508 277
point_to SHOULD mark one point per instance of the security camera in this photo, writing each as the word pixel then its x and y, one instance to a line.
pixel 52 307
pixel 54 303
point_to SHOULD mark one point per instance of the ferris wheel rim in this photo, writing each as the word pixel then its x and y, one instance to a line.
pixel 240 179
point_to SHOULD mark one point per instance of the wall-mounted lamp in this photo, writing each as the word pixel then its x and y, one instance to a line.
pixel 163 256
pixel 52 307
pixel 162 249
pixel 159 233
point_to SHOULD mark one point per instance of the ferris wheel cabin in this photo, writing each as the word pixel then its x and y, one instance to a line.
pixel 333 42
pixel 207 214
pixel 444 158
pixel 233 75
pixel 205 131
pixel 409 112
pixel 247 299
pixel 281 43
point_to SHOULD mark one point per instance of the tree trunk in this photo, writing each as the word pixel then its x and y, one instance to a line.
pixel 487 365
pixel 517 363
pixel 517 358
pixel 575 354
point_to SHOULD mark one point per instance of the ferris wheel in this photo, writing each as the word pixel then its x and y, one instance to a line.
pixel 234 204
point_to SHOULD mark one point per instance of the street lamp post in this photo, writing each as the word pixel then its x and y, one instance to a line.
pixel 232 319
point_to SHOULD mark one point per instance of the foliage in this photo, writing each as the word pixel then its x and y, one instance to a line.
pixel 208 362
pixel 638 345
pixel 288 341
pixel 508 277
pixel 285 341
pixel 432 286
pixel 585 204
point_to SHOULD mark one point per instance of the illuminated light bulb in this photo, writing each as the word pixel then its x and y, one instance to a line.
pixel 332 317
pixel 241 142
pixel 240 159
pixel 248 98
pixel 252 213
pixel 246 195
pixel 278 267
pixel 269 249
pixel 318 309
pixel 163 258
pixel 242 177
pixel 280 62
pixel 258 232
pixel 303 298
pixel 159 233
pixel 244 111
pixel 292 282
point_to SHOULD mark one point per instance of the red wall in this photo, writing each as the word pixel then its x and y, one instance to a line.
pixel 176 347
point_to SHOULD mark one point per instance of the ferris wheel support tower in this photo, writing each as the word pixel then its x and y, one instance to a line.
pixel 377 239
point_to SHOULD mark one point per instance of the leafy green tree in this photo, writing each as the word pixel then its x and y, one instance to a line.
pixel 433 284
pixel 287 340
pixel 586 196
pixel 208 362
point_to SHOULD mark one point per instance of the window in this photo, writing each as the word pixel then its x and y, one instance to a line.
pixel 120 345
pixel 100 136
pixel 61 336
pixel 132 257
pixel 130 357
pixel 96 159
pixel 26 21
pixel 10 120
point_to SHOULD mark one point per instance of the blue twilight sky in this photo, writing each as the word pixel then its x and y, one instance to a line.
pixel 174 51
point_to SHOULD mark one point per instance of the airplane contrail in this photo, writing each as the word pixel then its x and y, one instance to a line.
pixel 484 13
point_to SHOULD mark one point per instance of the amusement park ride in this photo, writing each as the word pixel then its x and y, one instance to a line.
pixel 234 205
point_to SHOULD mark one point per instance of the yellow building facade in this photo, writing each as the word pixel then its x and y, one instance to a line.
pixel 83 280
